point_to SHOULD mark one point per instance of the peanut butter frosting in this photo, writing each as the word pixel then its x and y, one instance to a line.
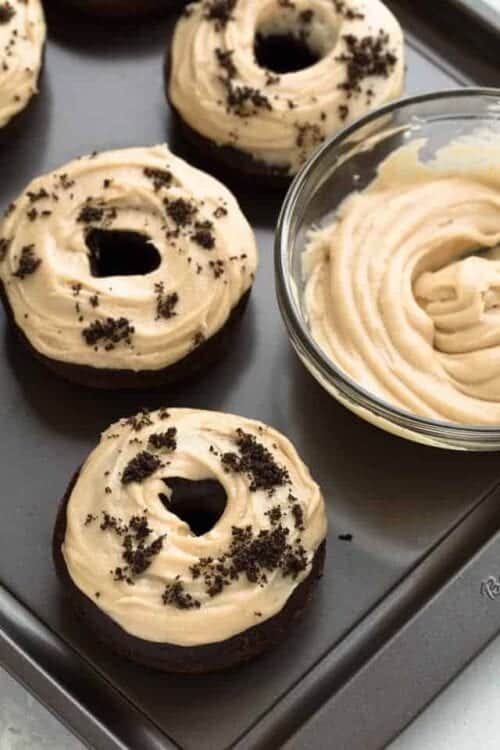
pixel 221 91
pixel 402 288
pixel 22 37
pixel 142 564
pixel 72 312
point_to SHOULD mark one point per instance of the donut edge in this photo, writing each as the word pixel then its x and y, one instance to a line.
pixel 191 365
pixel 167 657
pixel 114 10
pixel 231 164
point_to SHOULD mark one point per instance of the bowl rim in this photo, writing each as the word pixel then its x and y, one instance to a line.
pixel 297 329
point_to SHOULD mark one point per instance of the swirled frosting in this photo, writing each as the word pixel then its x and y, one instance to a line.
pixel 171 591
pixel 22 36
pixel 402 288
pixel 220 90
pixel 207 250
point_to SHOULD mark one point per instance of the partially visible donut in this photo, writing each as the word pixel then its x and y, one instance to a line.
pixel 190 540
pixel 127 268
pixel 22 38
pixel 262 83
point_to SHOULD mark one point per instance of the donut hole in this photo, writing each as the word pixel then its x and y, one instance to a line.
pixel 293 41
pixel 284 53
pixel 199 503
pixel 117 252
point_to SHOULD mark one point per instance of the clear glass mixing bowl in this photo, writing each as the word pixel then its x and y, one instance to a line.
pixel 349 162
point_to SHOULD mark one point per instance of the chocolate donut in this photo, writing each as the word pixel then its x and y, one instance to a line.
pixel 190 540
pixel 261 84
pixel 126 269
pixel 22 39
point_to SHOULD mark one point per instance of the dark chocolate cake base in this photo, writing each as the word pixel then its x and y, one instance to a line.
pixel 228 162
pixel 207 353
pixel 168 657
pixel 124 8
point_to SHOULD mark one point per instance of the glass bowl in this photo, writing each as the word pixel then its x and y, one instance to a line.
pixel 349 162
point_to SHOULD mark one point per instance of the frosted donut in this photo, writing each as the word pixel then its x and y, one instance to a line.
pixel 190 539
pixel 265 82
pixel 126 268
pixel 22 38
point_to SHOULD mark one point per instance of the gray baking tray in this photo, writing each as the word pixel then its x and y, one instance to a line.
pixel 416 515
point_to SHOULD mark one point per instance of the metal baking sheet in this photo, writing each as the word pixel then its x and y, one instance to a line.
pixel 102 88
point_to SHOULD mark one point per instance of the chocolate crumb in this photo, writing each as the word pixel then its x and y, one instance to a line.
pixel 111 331
pixel 7 12
pixel 165 303
pixel 112 523
pixel 90 214
pixel 89 519
pixel 140 467
pixel 181 211
pixel 298 516
pixel 65 181
pixel 167 440
pixel 160 178
pixel 253 557
pixel 345 537
pixel 220 212
pixel 364 57
pixel 225 60
pixel 28 262
pixel 343 111
pixel 219 11
pixel 37 196
pixel 138 421
pixel 204 235
pixel 257 462
pixel 176 595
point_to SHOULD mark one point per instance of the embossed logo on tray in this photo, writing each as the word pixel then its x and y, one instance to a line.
pixel 490 587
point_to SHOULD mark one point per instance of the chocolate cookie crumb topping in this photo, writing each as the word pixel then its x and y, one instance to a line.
pixel 140 467
pixel 204 235
pixel 175 595
pixel 165 440
pixel 365 56
pixel 160 177
pixel 111 331
pixel 252 556
pixel 90 214
pixel 38 196
pixel 181 211
pixel 257 462
pixel 111 523
pixel 225 60
pixel 135 552
pixel 219 11
pixel 345 10
pixel 28 262
pixel 138 421
pixel 298 516
pixel 165 303
pixel 7 12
